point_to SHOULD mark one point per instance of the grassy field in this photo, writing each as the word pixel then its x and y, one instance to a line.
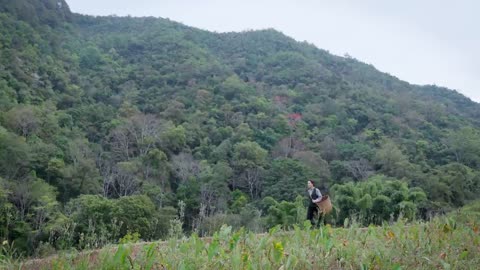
pixel 451 242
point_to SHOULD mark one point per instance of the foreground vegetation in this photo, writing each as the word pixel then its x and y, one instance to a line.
pixel 449 242
pixel 441 244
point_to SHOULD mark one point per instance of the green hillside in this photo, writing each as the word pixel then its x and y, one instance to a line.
pixel 111 126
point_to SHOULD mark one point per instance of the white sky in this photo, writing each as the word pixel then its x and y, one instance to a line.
pixel 419 41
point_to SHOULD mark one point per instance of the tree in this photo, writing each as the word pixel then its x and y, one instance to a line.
pixel 233 87
pixel 91 58
pixel 135 137
pixel 79 177
pixel 7 96
pixel 355 151
pixel 288 147
pixel 249 159
pixel 144 131
pixel 391 160
pixel 378 199
pixel 381 208
pixel 185 167
pixel 285 179
pixel 465 145
pixel 175 111
pixel 7 212
pixel 121 144
pixel 329 149
pixel 93 212
pixel 214 190
pixel 155 167
pixel 47 208
pixel 23 120
pixel 284 213
pixel 454 183
pixel 14 156
pixel 360 169
pixel 243 133
pixel 174 139
pixel 315 164
pixel 137 214
pixel 222 151
pixel 35 197
pixel 125 181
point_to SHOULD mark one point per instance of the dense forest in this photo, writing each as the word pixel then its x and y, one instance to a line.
pixel 114 127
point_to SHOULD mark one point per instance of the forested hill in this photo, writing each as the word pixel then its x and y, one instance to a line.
pixel 114 124
pixel 38 13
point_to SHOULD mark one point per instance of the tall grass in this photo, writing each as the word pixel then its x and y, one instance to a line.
pixel 443 243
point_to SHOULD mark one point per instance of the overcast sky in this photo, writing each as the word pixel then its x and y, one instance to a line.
pixel 419 41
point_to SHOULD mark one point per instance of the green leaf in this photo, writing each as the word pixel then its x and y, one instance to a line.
pixel 213 249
